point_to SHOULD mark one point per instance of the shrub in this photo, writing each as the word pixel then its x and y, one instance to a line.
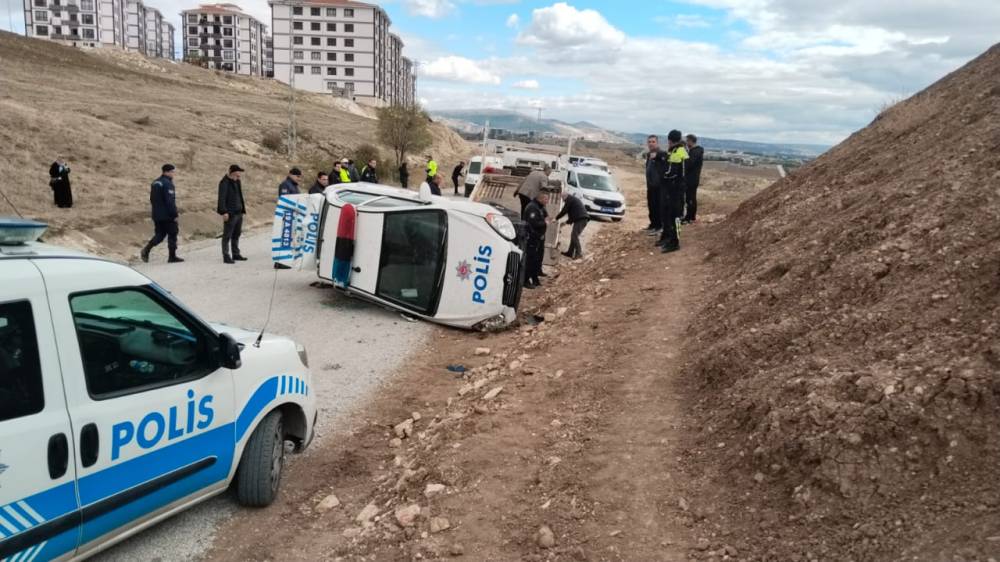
pixel 274 141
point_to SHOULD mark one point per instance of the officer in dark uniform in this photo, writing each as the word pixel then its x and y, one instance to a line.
pixel 536 219
pixel 656 167
pixel 693 179
pixel 291 184
pixel 232 207
pixel 672 192
pixel 578 216
pixel 163 199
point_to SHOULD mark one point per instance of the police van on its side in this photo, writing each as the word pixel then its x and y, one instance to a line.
pixel 120 407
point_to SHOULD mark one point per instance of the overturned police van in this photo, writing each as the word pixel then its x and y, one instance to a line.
pixel 453 262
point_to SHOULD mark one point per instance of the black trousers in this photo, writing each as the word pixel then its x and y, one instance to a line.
pixel 653 202
pixel 535 247
pixel 671 209
pixel 231 231
pixel 691 201
pixel 165 229
pixel 524 203
pixel 62 194
pixel 455 181
pixel 575 248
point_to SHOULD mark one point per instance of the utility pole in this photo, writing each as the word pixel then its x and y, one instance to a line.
pixel 540 108
pixel 292 135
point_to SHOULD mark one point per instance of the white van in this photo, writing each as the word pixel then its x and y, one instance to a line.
pixel 494 165
pixel 454 262
pixel 597 190
pixel 120 407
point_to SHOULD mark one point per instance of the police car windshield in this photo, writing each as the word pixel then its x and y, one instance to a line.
pixel 595 182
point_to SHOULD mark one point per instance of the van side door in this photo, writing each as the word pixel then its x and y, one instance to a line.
pixel 39 514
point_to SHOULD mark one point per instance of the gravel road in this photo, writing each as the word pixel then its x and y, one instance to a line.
pixel 353 346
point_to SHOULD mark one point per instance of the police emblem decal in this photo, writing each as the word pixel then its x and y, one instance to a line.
pixel 464 270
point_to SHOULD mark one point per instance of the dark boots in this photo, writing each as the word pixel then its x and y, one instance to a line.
pixel 144 254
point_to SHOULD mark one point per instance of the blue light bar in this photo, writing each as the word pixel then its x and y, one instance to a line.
pixel 20 231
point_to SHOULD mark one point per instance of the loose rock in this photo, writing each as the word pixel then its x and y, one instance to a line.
pixel 493 393
pixel 545 537
pixel 439 524
pixel 482 351
pixel 328 503
pixel 407 516
pixel 404 429
pixel 370 510
pixel 432 489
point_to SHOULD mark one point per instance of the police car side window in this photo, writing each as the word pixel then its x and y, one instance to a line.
pixel 21 392
pixel 130 342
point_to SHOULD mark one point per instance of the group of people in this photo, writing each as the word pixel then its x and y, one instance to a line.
pixel 343 171
pixel 672 179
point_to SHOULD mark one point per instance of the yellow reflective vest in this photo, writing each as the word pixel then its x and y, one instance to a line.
pixel 432 168
pixel 345 176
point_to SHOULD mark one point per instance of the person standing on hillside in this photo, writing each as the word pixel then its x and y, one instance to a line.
pixel 368 173
pixel 232 207
pixel 404 176
pixel 340 173
pixel 531 187
pixel 163 200
pixel 537 219
pixel 432 167
pixel 62 192
pixel 291 184
pixel 656 167
pixel 672 192
pixel 457 174
pixel 352 172
pixel 322 180
pixel 693 179
pixel 578 217
pixel 334 176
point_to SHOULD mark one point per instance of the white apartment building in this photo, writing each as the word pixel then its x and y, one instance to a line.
pixel 224 37
pixel 167 45
pixel 339 46
pixel 98 23
pixel 268 57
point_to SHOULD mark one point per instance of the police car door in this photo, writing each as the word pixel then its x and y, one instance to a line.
pixel 152 411
pixel 38 510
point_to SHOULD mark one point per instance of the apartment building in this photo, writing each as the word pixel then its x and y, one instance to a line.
pixel 224 37
pixel 124 24
pixel 167 45
pixel 268 57
pixel 339 46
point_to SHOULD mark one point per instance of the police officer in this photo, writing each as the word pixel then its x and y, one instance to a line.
pixel 578 217
pixel 322 180
pixel 232 207
pixel 368 173
pixel 672 192
pixel 291 184
pixel 162 198
pixel 536 218
pixel 404 176
pixel 432 167
pixel 457 174
pixel 656 167
pixel 693 179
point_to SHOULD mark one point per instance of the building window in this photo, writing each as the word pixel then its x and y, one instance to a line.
pixel 87 5
pixel 41 30
pixel 193 42
pixel 297 55
pixel 315 26
pixel 57 30
pixel 349 28
pixel 192 18
pixel 331 12
pixel 87 19
pixel 315 70
pixel 331 71
pixel 348 42
pixel 313 11
pixel 348 12
pixel 348 72
pixel 349 86
pixel 297 25
pixel 228 43
pixel 331 27
pixel 298 69
pixel 41 15
pixel 331 85
pixel 228 32
pixel 315 41
pixel 228 55
pixel 296 40
pixel 349 57
pixel 227 20
pixel 331 41
pixel 297 11
pixel 193 30
pixel 316 55
pixel 331 56
pixel 88 33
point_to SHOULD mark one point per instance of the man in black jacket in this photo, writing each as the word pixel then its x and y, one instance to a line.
pixel 696 156
pixel 656 167
pixel 322 180
pixel 672 192
pixel 404 176
pixel 578 217
pixel 163 199
pixel 291 184
pixel 456 174
pixel 537 219
pixel 368 173
pixel 232 208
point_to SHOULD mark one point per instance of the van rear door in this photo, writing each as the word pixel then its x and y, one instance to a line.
pixel 39 514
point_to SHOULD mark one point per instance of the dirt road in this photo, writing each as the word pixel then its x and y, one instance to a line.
pixel 353 348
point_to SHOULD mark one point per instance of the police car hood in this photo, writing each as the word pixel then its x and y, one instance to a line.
pixel 245 337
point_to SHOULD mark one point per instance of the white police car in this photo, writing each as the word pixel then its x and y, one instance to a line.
pixel 120 407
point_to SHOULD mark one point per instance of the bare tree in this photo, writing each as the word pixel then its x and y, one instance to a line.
pixel 404 128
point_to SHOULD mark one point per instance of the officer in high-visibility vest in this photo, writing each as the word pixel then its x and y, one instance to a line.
pixel 432 168
pixel 672 192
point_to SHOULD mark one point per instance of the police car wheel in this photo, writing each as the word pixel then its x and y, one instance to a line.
pixel 259 473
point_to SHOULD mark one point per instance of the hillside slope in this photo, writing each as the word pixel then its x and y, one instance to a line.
pixel 850 360
pixel 117 117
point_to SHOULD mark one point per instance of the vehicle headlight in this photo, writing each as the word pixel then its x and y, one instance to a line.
pixel 502 225
pixel 303 356
pixel 590 198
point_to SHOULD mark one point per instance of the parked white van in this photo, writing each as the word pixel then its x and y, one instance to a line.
pixel 476 169
pixel 597 190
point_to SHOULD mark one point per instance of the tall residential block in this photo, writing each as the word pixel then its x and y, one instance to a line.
pixel 126 24
pixel 224 37
pixel 340 46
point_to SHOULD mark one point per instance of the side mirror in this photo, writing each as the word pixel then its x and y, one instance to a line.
pixel 229 352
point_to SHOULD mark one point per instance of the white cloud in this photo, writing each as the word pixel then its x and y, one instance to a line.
pixel 572 34
pixel 691 20
pixel 513 21
pixel 459 69
pixel 429 8
pixel 527 85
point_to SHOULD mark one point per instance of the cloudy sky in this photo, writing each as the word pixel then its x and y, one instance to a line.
pixel 786 70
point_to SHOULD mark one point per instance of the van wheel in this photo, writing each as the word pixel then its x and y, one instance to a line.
pixel 259 473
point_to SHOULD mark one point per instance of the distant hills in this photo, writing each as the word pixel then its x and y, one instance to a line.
pixel 471 121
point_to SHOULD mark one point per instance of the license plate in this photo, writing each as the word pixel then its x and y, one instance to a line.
pixel 608 210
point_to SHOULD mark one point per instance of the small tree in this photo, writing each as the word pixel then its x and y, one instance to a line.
pixel 404 129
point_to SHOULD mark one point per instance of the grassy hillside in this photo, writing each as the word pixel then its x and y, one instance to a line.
pixel 117 117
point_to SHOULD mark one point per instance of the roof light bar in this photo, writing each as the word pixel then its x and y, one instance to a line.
pixel 20 231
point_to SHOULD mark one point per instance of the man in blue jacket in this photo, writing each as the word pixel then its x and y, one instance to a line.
pixel 291 184
pixel 163 198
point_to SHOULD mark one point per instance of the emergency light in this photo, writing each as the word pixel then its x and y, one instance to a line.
pixel 20 231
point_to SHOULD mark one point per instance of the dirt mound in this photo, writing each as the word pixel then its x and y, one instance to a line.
pixel 849 362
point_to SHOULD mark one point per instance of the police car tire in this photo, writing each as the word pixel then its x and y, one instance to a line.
pixel 256 481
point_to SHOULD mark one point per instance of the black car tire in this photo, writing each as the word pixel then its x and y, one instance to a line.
pixel 263 461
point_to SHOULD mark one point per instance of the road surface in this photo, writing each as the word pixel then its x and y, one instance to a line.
pixel 352 346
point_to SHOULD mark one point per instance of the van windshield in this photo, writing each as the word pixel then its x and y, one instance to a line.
pixel 595 182
pixel 474 167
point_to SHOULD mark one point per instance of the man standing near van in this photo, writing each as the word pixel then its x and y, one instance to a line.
pixel 578 218
pixel 457 174
pixel 531 188
pixel 232 207
pixel 655 168
pixel 693 178
pixel 163 199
